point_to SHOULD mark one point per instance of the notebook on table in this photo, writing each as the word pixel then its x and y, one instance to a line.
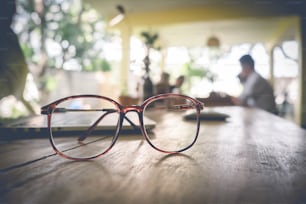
pixel 207 114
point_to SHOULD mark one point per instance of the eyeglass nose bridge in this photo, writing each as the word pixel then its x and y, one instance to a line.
pixel 131 108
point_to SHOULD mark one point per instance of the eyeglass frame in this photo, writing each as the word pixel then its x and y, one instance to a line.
pixel 122 110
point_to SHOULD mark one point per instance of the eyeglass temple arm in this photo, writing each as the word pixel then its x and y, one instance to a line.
pixel 46 110
pixel 91 128
pixel 108 111
pixel 182 107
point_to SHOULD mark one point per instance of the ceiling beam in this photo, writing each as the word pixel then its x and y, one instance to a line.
pixel 207 13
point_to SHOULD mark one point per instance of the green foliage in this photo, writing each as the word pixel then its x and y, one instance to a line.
pixel 48 83
pixel 17 113
pixel 51 83
pixel 98 65
pixel 195 73
pixel 27 50
pixel 105 66
pixel 70 25
pixel 191 70
pixel 150 39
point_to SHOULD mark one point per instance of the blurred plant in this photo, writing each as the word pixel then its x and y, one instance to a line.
pixel 98 64
pixel 196 72
pixel 61 34
pixel 149 40
pixel 191 69
pixel 50 83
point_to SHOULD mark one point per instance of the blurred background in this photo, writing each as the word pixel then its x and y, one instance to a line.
pixel 111 48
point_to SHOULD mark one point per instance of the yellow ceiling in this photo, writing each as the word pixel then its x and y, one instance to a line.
pixel 190 23
pixel 230 32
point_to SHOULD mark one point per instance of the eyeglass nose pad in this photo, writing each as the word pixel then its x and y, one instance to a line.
pixel 119 126
pixel 142 126
pixel 126 119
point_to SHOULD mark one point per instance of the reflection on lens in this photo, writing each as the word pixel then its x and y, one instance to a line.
pixel 172 133
pixel 84 127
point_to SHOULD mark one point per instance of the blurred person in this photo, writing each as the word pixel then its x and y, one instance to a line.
pixel 176 88
pixel 286 108
pixel 257 92
pixel 163 86
pixel 13 67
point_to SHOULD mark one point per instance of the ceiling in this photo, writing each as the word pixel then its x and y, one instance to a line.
pixel 229 32
pixel 195 33
pixel 108 7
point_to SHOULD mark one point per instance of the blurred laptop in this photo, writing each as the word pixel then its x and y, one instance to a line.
pixel 66 123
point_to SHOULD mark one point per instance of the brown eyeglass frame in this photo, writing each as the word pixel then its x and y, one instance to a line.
pixel 122 110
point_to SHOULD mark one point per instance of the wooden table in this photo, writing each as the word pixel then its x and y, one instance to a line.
pixel 254 157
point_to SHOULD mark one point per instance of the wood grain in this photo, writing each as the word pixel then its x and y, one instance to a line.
pixel 254 157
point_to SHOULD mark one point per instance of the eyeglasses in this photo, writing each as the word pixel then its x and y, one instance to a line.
pixel 94 123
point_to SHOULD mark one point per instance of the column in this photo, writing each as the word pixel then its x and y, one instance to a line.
pixel 271 51
pixel 125 61
pixel 301 112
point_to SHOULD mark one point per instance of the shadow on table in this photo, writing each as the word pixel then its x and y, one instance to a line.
pixel 176 156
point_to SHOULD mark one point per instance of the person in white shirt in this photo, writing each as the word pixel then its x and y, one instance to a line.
pixel 257 92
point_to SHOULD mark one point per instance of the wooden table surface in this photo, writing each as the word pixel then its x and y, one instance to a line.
pixel 254 157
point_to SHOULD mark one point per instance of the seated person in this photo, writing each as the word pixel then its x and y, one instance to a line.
pixel 176 88
pixel 163 86
pixel 257 92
